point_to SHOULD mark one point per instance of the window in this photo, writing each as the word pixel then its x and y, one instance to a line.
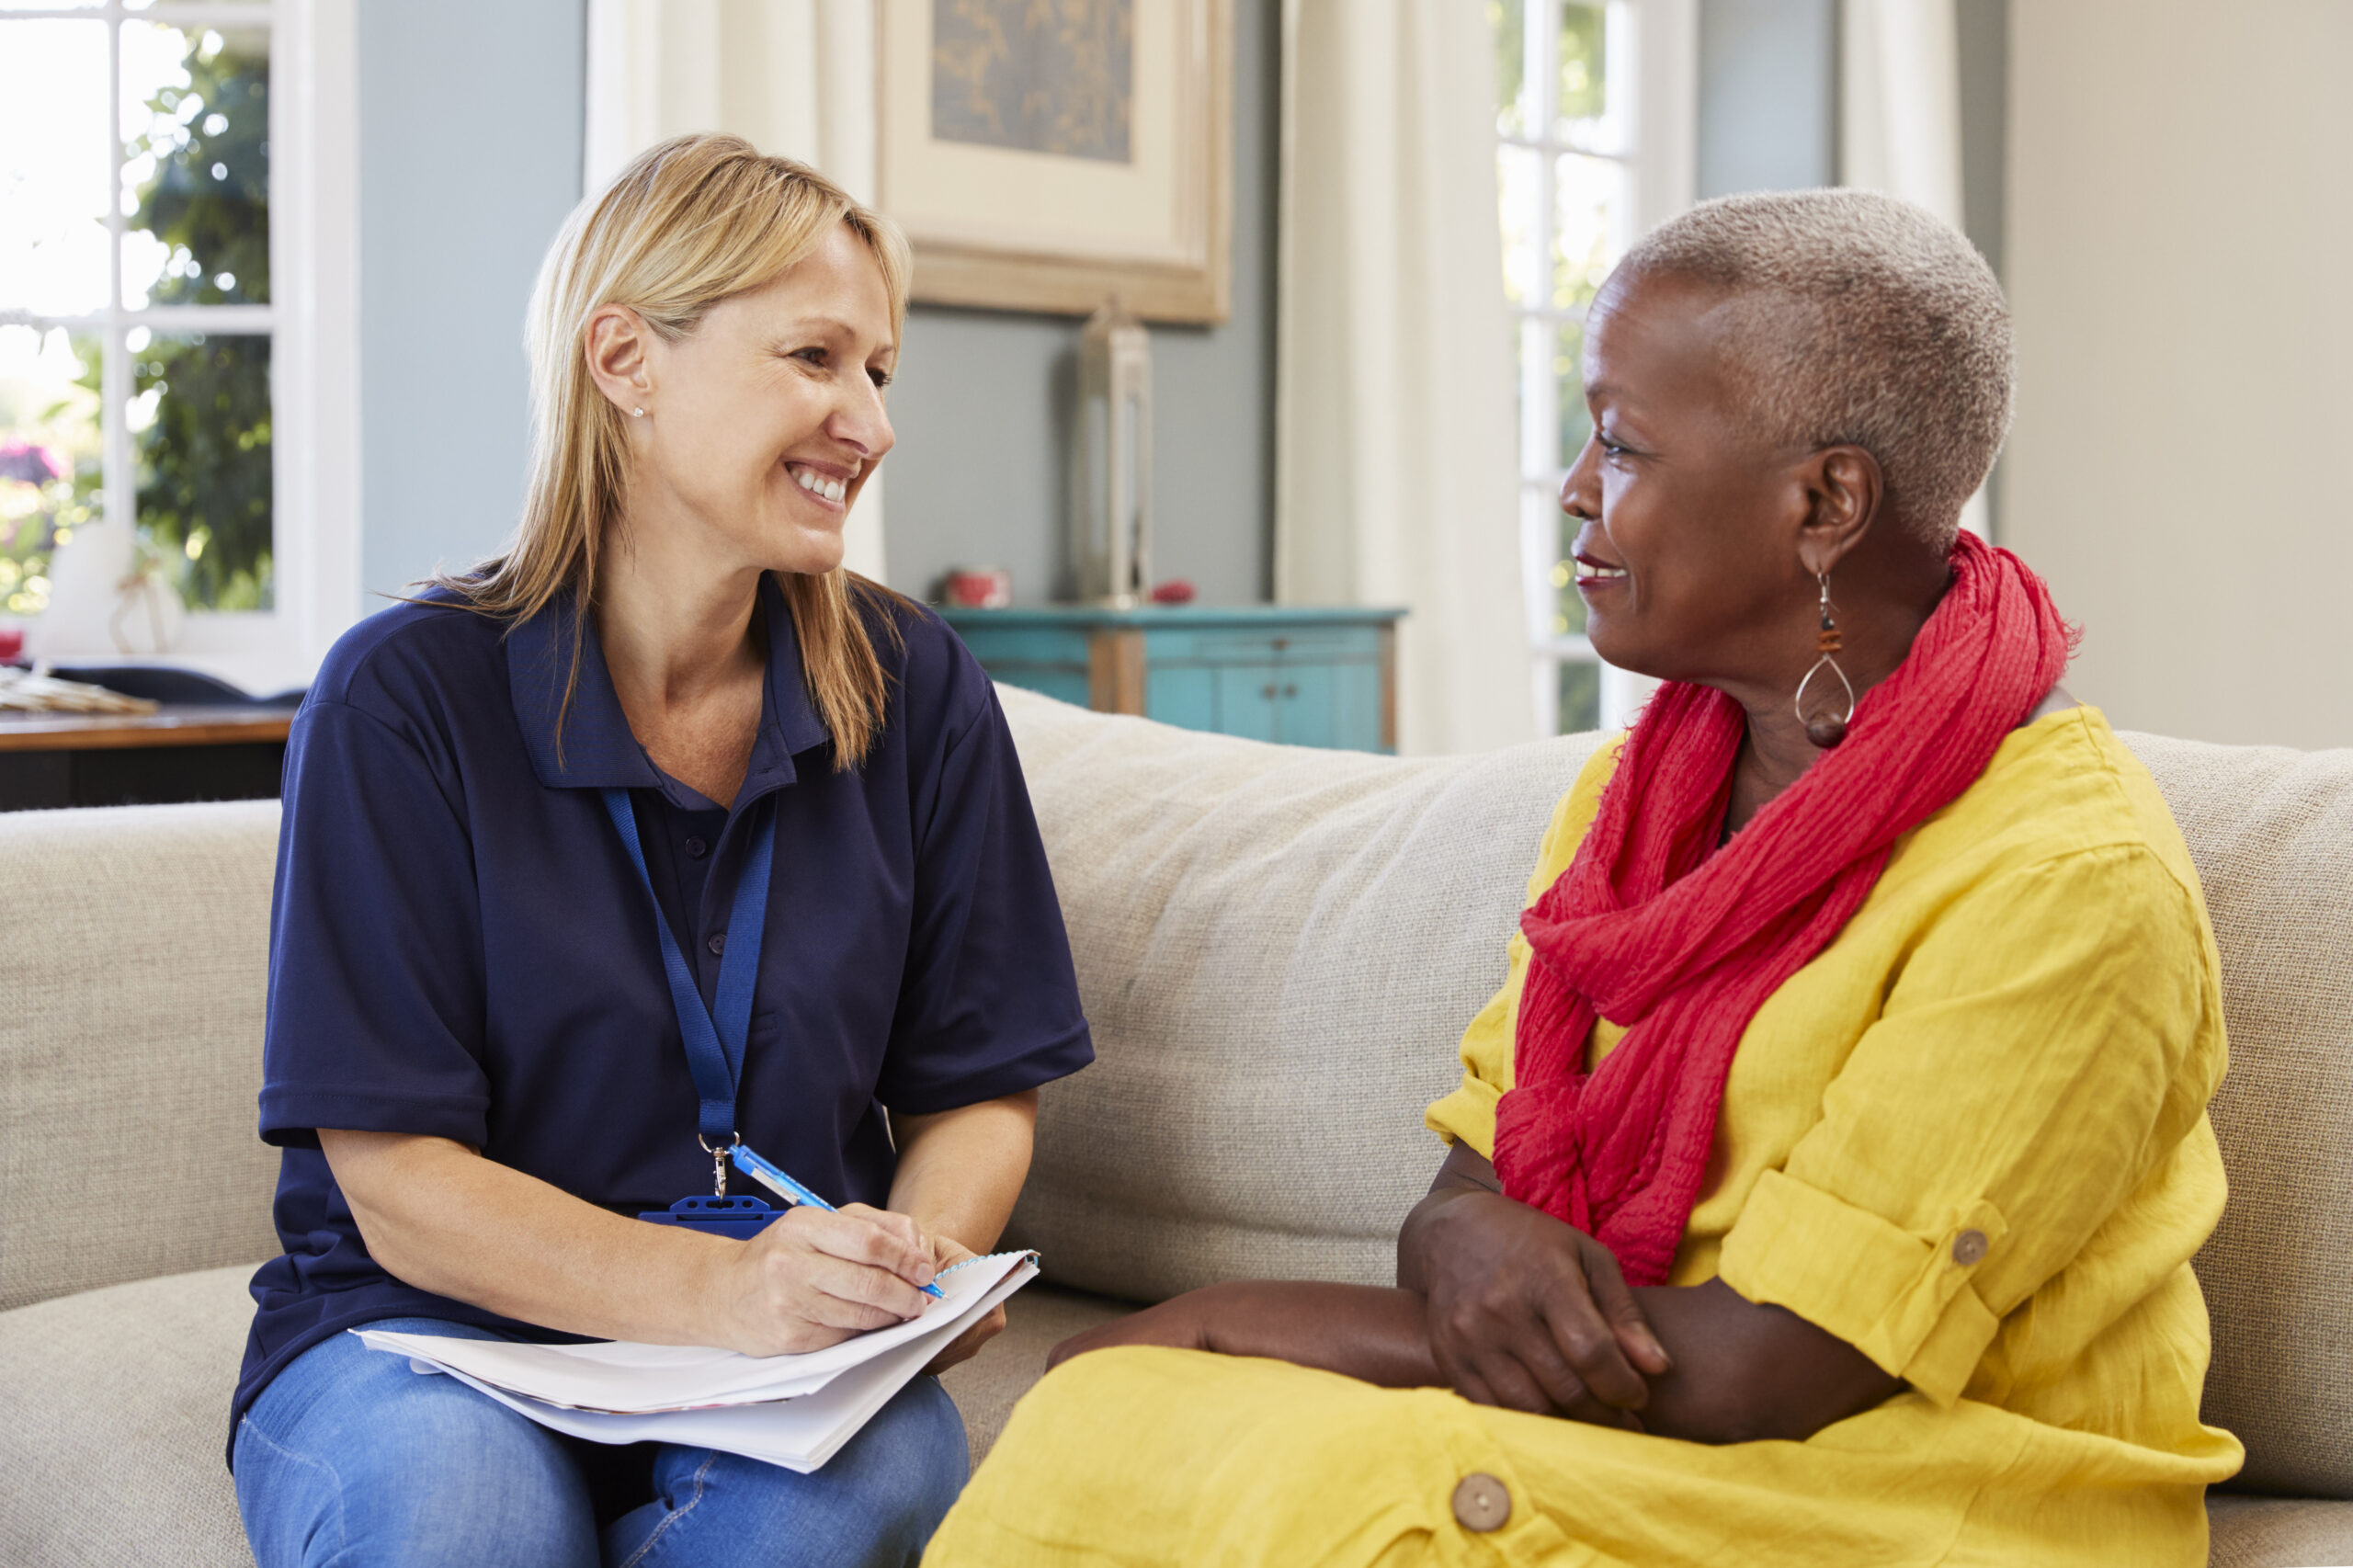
pixel 1594 138
pixel 173 292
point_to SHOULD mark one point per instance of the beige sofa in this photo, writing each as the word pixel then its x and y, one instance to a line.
pixel 1278 947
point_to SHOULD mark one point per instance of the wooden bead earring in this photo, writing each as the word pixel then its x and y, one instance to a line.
pixel 1825 730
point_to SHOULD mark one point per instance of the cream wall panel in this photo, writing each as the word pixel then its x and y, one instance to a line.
pixel 2179 217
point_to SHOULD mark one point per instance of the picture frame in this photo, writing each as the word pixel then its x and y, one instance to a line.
pixel 1048 159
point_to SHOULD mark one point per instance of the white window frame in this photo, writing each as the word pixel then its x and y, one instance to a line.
pixel 312 320
pixel 1654 59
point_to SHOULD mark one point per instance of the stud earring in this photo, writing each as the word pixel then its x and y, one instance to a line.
pixel 1829 728
pixel 637 413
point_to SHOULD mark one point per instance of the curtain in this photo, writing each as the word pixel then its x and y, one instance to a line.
pixel 1899 115
pixel 794 77
pixel 1396 458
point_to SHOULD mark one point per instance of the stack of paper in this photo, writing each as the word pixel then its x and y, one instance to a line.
pixel 795 1411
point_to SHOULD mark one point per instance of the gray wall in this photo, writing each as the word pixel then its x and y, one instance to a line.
pixel 1768 102
pixel 1984 122
pixel 470 156
pixel 469 159
pixel 1985 26
pixel 982 409
pixel 1769 96
pixel 1769 112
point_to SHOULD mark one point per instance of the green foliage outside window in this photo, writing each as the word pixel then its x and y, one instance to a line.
pixel 204 461
pixel 204 469
pixel 1584 62
pixel 1506 22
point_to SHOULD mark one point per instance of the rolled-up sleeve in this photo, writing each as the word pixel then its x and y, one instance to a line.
pixel 376 989
pixel 2025 1074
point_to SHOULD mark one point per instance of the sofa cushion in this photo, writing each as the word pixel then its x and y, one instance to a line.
pixel 1278 949
pixel 131 1011
pixel 2272 833
pixel 114 1412
pixel 146 1369
pixel 2277 1532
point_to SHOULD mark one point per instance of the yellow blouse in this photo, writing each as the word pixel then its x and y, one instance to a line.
pixel 1970 1138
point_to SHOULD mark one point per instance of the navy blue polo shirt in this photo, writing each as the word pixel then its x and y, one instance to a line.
pixel 461 948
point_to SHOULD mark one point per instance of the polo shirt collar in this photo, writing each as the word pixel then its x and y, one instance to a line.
pixel 598 751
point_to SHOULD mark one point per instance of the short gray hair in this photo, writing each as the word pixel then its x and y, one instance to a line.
pixel 1858 319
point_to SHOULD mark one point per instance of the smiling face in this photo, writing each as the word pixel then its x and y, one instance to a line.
pixel 764 423
pixel 1694 555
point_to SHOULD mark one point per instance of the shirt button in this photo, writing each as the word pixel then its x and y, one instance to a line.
pixel 1968 1247
pixel 697 848
pixel 1482 1502
pixel 718 943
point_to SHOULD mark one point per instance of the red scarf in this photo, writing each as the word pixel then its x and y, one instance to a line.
pixel 1647 926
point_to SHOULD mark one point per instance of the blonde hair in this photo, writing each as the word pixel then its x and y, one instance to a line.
pixel 1858 319
pixel 689 222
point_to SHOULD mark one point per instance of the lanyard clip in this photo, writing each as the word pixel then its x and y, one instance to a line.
pixel 719 1160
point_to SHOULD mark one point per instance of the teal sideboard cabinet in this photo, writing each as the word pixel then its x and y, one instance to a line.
pixel 1306 677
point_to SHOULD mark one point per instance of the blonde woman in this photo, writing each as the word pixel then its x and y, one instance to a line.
pixel 663 759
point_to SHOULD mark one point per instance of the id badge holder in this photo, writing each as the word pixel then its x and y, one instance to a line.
pixel 742 1218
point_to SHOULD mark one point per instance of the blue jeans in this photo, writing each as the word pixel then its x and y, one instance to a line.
pixel 350 1458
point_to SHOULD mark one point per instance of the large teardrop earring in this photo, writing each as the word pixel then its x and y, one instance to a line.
pixel 1827 729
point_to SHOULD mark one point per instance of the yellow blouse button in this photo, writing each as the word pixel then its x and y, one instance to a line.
pixel 1968 1247
pixel 1482 1502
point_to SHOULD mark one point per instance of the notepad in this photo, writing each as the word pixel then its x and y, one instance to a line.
pixel 794 1411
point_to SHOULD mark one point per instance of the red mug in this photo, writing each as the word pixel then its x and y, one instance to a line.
pixel 979 587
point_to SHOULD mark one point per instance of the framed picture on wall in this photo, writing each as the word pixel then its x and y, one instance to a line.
pixel 1047 157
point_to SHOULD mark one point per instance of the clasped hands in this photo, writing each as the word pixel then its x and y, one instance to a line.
pixel 1526 1312
pixel 817 1276
pixel 1497 1300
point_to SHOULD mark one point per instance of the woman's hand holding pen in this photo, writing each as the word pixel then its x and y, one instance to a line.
pixel 817 1276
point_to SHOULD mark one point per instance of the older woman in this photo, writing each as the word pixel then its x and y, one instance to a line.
pixel 657 833
pixel 1827 1172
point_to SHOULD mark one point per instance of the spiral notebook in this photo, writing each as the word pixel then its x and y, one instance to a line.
pixel 794 1411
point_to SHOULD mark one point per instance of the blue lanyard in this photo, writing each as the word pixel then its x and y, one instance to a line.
pixel 714 1046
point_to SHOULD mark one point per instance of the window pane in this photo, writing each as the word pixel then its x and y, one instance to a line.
pixel 1519 384
pixel 55 166
pixel 196 175
pixel 51 452
pixel 1568 615
pixel 1589 206
pixel 1568 375
pixel 1520 176
pixel 1596 99
pixel 201 421
pixel 1507 19
pixel 1539 393
pixel 1583 69
pixel 1580 696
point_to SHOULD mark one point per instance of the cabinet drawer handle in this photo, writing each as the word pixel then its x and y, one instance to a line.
pixel 1268 694
pixel 1291 691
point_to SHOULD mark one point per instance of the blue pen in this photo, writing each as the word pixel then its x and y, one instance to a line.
pixel 791 1191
